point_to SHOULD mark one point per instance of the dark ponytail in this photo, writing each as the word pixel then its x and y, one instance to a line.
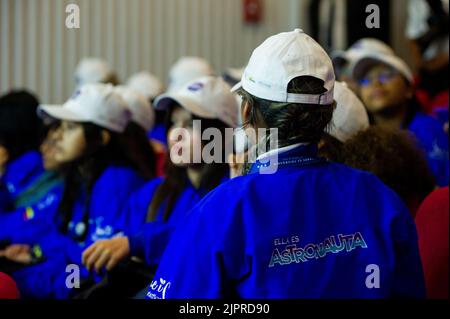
pixel 296 123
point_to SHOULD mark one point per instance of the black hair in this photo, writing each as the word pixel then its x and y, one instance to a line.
pixel 81 174
pixel 332 148
pixel 20 127
pixel 160 116
pixel 138 150
pixel 296 123
pixel 176 177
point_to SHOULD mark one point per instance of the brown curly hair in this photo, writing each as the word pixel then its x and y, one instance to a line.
pixel 394 157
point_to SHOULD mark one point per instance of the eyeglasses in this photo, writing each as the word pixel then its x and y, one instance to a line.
pixel 382 77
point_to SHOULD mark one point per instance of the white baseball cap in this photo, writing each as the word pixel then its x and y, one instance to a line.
pixel 147 84
pixel 368 59
pixel 186 69
pixel 360 47
pixel 96 103
pixel 280 59
pixel 92 70
pixel 208 97
pixel 350 115
pixel 141 109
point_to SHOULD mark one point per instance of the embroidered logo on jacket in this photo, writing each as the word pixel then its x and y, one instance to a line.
pixel 292 253
pixel 158 289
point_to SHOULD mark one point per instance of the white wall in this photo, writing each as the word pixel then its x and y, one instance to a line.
pixel 399 16
pixel 37 51
pixel 40 53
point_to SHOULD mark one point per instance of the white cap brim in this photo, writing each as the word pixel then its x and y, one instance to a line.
pixel 322 99
pixel 165 100
pixel 365 61
pixel 59 112
pixel 236 87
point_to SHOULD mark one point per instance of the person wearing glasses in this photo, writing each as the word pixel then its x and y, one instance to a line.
pixel 385 85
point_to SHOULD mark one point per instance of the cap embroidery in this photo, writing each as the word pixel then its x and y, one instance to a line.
pixel 75 94
pixel 196 87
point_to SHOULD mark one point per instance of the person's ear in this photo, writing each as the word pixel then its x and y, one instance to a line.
pixel 106 137
pixel 245 111
pixel 4 158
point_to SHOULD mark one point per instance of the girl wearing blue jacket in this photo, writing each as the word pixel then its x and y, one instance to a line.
pixel 156 210
pixel 44 191
pixel 294 225
pixel 102 167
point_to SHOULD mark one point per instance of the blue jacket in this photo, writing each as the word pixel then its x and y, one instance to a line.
pixel 19 174
pixel 29 224
pixel 158 132
pixel 108 198
pixel 148 240
pixel 38 201
pixel 434 142
pixel 319 231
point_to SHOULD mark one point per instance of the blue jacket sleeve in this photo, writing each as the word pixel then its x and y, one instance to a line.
pixel 48 280
pixel 204 253
pixel 150 242
pixel 434 141
pixel 134 213
pixel 189 268
pixel 409 279
pixel 16 228
pixel 57 244
pixel 27 225
pixel 6 202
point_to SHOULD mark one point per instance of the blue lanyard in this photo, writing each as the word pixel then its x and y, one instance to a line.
pixel 301 156
pixel 294 161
